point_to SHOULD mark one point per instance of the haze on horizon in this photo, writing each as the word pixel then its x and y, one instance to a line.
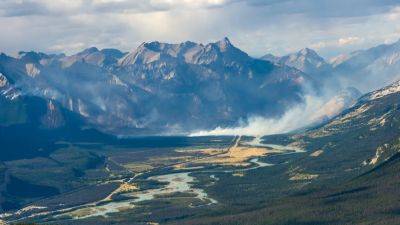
pixel 256 26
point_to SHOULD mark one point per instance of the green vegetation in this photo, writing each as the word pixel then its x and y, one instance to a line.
pixel 13 112
pixel 353 179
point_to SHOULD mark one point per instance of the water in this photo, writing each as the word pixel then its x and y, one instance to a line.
pixel 257 142
pixel 176 183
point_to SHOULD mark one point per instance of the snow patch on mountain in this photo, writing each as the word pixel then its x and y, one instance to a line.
pixel 82 109
pixel 70 104
pixel 32 70
pixel 115 80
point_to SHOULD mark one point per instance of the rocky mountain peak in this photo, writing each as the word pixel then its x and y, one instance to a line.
pixel 145 53
pixel 309 55
pixel 305 60
pixel 31 56
pixel 94 56
pixel 306 51
pixel 88 51
pixel 154 46
pixel 270 57
pixel 224 44
pixel 189 52
pixel 112 52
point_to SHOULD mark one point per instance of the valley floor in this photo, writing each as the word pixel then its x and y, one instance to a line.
pixel 207 180
pixel 185 181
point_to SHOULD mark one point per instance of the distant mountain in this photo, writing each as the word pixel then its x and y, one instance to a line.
pixel 305 60
pixel 365 70
pixel 369 69
pixel 157 88
pixel 93 56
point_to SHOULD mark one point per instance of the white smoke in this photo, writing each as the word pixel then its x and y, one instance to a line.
pixel 313 110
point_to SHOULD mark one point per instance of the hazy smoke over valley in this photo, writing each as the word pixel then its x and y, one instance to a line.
pixel 259 126
pixel 313 110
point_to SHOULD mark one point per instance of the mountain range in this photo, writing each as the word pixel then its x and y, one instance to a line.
pixel 161 88
pixel 366 70
pixel 157 88
pixel 372 68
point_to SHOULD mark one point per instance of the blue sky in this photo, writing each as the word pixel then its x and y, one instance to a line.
pixel 330 27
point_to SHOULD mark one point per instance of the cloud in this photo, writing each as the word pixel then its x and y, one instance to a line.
pixel 256 26
pixel 348 41
pixel 320 45
pixel 192 3
pixel 394 14
pixel 11 8
pixel 341 42
pixel 76 46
